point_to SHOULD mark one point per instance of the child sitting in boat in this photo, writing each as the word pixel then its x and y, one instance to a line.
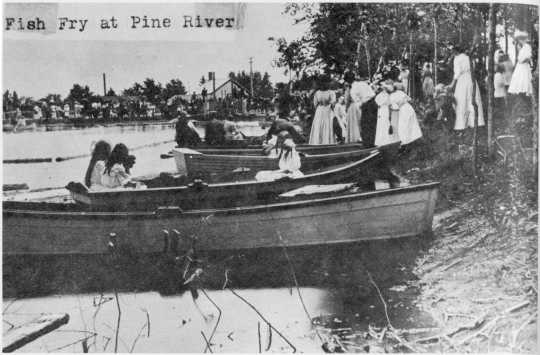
pixel 117 168
pixel 289 160
pixel 94 173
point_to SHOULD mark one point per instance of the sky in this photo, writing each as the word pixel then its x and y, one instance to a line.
pixel 38 67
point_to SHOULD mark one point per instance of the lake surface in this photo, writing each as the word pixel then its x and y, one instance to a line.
pixel 55 144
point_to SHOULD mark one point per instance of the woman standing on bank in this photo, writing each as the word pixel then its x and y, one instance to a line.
pixel 322 131
pixel 353 115
pixel 463 91
pixel 521 83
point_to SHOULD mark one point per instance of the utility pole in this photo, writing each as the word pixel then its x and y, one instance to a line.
pixel 251 78
pixel 104 85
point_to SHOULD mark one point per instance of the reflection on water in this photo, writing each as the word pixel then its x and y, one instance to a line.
pixel 76 142
pixel 332 282
pixel 175 322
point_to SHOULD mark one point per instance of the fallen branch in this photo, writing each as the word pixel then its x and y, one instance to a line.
pixel 208 345
pixel 259 336
pixel 293 274
pixel 515 337
pixel 517 307
pixel 263 318
pixel 73 343
pixel 117 321
pixel 219 315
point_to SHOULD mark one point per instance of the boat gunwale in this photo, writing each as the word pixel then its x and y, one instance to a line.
pixel 232 210
pixel 264 157
pixel 231 184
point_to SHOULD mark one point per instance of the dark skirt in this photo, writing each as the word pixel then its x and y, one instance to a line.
pixel 368 122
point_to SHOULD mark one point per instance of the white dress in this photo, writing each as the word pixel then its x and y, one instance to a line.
pixel 408 129
pixel 521 82
pixel 117 177
pixel 463 94
pixel 382 132
pixel 322 130
pixel 289 164
pixel 97 175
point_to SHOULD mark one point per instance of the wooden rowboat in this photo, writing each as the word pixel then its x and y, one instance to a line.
pixel 60 228
pixel 208 166
pixel 257 149
pixel 171 190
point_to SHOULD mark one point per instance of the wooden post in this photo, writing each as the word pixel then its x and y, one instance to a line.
pixel 491 66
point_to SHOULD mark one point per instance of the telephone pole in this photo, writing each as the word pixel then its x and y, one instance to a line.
pixel 104 86
pixel 251 78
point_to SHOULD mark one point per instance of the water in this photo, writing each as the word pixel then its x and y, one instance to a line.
pixel 55 144
pixel 332 280
pixel 176 322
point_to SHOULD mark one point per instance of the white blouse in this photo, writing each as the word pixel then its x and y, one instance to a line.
pixel 117 177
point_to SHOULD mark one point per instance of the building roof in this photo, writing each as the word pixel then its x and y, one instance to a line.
pixel 209 86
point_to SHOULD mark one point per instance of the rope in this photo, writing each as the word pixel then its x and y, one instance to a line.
pixel 61 159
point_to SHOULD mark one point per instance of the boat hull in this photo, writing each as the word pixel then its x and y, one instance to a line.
pixel 257 149
pixel 392 213
pixel 229 194
pixel 207 166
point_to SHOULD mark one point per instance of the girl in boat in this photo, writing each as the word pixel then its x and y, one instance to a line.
pixel 117 168
pixel 96 168
pixel 401 111
pixel 322 130
pixel 289 160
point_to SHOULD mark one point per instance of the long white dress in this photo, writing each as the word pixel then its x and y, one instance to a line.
pixel 408 128
pixel 354 115
pixel 322 131
pixel 384 121
pixel 521 82
pixel 463 94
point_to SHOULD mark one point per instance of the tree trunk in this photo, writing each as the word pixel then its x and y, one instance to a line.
pixel 435 54
pixel 475 129
pixel 491 66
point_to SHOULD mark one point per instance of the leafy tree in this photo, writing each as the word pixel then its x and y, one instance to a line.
pixel 111 92
pixel 174 87
pixel 135 90
pixel 55 99
pixel 262 86
pixel 152 91
pixel 80 94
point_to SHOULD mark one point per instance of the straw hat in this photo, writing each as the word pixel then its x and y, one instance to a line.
pixel 520 34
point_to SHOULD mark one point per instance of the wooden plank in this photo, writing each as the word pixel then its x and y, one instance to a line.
pixel 28 332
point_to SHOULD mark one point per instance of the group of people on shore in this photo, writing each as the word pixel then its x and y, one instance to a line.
pixel 375 113
pixel 109 169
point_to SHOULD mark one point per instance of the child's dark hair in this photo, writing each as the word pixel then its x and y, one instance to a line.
pixel 101 151
pixel 119 155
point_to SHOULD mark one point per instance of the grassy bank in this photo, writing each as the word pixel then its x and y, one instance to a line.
pixel 478 279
